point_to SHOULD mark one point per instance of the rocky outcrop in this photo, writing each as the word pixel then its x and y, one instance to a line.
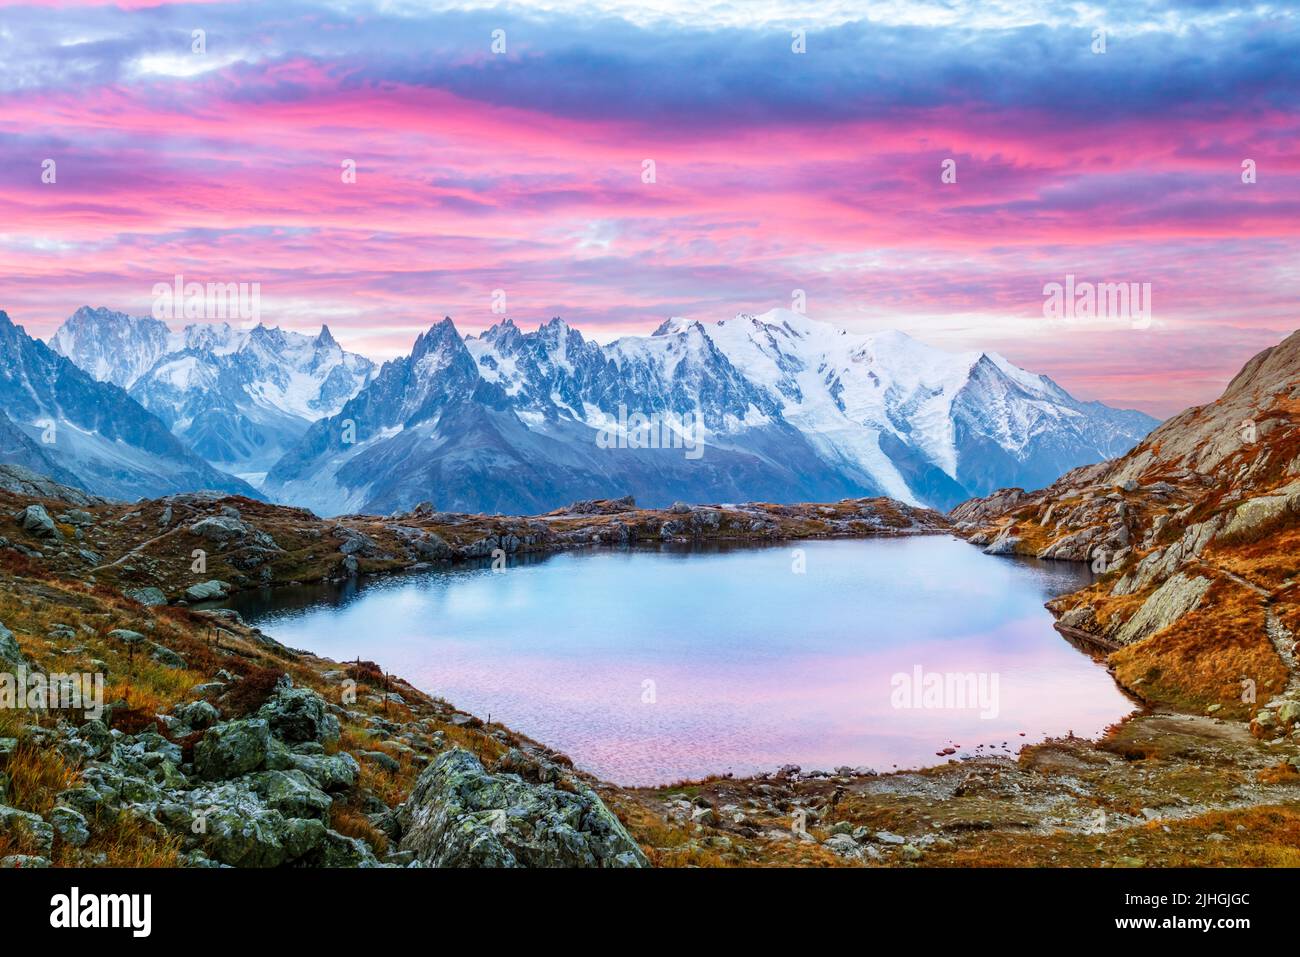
pixel 19 480
pixel 10 654
pixel 35 521
pixel 1166 605
pixel 297 715
pixel 461 815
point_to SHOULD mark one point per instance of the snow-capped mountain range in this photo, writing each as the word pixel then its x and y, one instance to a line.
pixel 60 421
pixel 780 407
pixel 240 398
pixel 789 409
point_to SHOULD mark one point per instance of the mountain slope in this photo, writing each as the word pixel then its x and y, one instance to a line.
pixel 1194 534
pixel 91 431
pixel 238 398
pixel 775 407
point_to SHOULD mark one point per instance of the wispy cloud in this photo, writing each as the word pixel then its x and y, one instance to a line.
pixel 774 170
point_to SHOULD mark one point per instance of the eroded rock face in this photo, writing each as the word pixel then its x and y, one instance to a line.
pixel 1255 515
pixel 461 815
pixel 1168 603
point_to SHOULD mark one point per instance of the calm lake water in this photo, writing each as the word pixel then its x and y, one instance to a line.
pixel 648 666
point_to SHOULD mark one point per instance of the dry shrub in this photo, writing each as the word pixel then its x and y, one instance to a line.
pixel 1201 658
pixel 36 775
pixel 351 822
pixel 244 697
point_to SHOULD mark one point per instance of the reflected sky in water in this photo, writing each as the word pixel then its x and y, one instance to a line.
pixel 753 665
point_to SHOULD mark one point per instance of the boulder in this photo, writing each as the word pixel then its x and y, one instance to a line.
pixel 292 793
pixel 198 715
pixel 207 591
pixel 378 758
pixel 296 715
pixel 71 825
pixel 332 773
pixel 165 656
pixel 231 749
pixel 219 528
pixel 338 850
pixel 236 828
pixel 23 826
pixel 460 815
pixel 10 653
pixel 35 521
pixel 1005 544
pixel 147 596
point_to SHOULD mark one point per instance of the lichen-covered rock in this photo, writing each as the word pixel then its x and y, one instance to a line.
pixel 231 749
pixel 95 738
pixel 71 825
pixel 299 714
pixel 236 827
pixel 460 815
pixel 292 793
pixel 338 850
pixel 25 827
pixel 332 773
pixel 197 715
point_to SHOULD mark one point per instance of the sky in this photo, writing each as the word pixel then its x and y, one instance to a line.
pixel 797 149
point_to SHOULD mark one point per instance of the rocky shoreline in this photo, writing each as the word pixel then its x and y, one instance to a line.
pixel 198 547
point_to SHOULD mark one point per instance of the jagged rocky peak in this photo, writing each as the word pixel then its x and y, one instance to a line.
pixel 90 433
pixel 240 397
pixel 790 408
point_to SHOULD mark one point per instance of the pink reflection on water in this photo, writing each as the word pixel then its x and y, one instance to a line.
pixel 751 715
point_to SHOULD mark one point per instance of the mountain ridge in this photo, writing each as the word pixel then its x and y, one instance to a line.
pixel 90 431
pixel 238 397
pixel 788 409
